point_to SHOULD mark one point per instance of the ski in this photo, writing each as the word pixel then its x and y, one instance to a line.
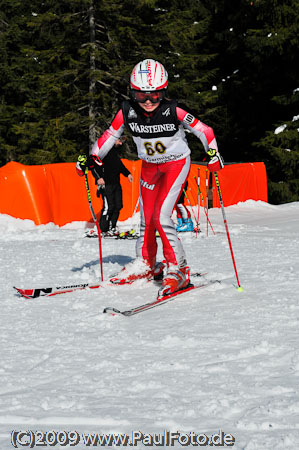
pixel 55 290
pixel 158 302
pixel 64 289
pixel 121 235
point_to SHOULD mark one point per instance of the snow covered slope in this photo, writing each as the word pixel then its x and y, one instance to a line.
pixel 214 359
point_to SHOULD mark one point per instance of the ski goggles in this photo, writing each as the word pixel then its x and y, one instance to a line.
pixel 153 97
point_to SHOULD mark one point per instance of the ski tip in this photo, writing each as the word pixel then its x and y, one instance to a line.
pixel 18 290
pixel 112 311
pixel 26 293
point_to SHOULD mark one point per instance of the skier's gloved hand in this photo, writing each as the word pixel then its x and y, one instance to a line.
pixel 82 165
pixel 94 161
pixel 216 161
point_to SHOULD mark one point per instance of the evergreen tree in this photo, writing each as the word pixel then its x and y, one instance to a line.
pixel 46 91
pixel 257 43
pixel 65 67
pixel 280 148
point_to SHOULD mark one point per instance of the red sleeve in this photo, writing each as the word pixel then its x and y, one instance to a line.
pixel 105 142
pixel 117 122
pixel 195 125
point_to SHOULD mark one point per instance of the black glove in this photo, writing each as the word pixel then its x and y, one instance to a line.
pixel 94 161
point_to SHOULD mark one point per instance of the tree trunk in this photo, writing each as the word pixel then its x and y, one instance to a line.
pixel 92 84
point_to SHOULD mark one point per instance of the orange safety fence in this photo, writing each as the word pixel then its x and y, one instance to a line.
pixel 241 182
pixel 55 193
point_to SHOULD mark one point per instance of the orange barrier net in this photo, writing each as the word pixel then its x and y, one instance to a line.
pixel 241 182
pixel 55 193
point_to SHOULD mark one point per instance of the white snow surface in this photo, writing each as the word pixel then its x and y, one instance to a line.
pixel 212 359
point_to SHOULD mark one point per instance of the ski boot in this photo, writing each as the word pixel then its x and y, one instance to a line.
pixel 180 224
pixel 185 225
pixel 177 278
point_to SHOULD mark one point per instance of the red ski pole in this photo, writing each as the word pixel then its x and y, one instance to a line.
pixel 198 200
pixel 191 207
pixel 196 229
pixel 202 199
pixel 207 193
pixel 227 232
pixel 95 221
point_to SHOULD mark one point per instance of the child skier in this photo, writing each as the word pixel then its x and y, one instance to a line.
pixel 157 124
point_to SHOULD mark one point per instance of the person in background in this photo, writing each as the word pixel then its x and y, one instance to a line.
pixel 157 125
pixel 183 214
pixel 107 180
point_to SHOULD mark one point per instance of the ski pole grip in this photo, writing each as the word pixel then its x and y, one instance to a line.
pixel 82 160
pixel 211 152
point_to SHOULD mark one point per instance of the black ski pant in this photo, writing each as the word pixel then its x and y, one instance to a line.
pixel 112 204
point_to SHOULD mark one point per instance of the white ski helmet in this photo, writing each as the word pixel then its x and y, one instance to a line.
pixel 149 75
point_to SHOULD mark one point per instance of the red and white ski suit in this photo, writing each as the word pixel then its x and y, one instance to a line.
pixel 163 148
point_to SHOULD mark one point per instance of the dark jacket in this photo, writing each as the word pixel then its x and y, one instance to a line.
pixel 111 169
